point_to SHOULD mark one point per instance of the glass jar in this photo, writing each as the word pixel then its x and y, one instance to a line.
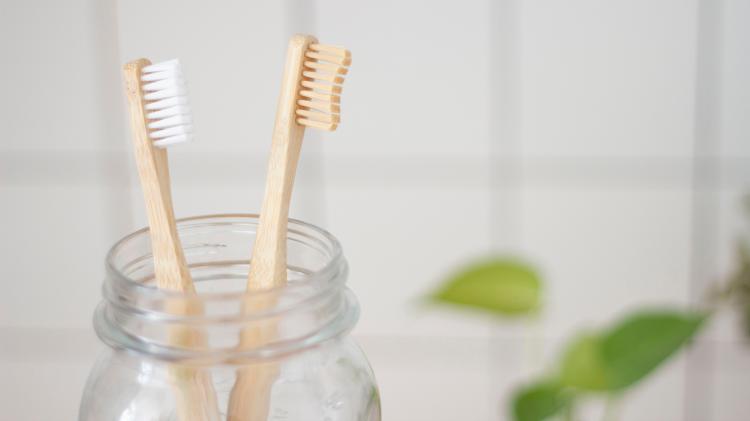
pixel 300 363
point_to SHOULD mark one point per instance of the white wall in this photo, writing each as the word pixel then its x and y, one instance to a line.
pixel 607 141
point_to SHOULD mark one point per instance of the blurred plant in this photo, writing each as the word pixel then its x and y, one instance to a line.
pixel 607 362
pixel 737 290
pixel 604 363
pixel 502 286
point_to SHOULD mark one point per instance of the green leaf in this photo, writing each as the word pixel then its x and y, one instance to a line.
pixel 618 358
pixel 640 343
pixel 583 366
pixel 540 401
pixel 501 286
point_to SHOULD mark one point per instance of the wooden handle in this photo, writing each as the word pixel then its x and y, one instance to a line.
pixel 170 266
pixel 268 267
pixel 195 396
pixel 250 397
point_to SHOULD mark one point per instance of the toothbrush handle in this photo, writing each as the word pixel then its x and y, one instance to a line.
pixel 251 393
pixel 194 392
pixel 169 261
pixel 268 268
pixel 268 263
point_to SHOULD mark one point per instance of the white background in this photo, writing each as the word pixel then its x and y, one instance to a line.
pixel 607 141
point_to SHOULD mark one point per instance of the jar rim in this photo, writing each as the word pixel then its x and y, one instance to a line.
pixel 328 271
pixel 138 316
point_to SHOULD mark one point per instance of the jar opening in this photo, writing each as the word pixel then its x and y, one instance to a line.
pixel 312 306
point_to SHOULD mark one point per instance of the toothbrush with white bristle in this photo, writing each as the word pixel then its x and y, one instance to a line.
pixel 167 108
pixel 159 118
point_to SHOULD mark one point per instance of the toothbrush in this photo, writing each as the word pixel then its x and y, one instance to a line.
pixel 310 95
pixel 160 117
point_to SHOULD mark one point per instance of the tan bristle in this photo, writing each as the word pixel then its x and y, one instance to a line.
pixel 317 124
pixel 344 61
pixel 318 116
pixel 323 76
pixel 331 49
pixel 318 105
pixel 333 89
pixel 326 67
pixel 333 99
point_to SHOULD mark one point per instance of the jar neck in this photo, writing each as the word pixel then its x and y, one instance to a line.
pixel 222 322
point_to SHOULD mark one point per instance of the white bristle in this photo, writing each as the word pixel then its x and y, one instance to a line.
pixel 167 107
pixel 175 120
pixel 164 103
pixel 170 131
pixel 172 140
pixel 163 66
pixel 168 112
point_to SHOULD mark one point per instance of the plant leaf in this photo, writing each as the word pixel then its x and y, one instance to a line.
pixel 583 366
pixel 501 286
pixel 621 356
pixel 540 401
pixel 639 344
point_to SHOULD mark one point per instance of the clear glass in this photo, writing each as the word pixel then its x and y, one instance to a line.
pixel 295 362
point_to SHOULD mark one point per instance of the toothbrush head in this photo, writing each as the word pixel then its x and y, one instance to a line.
pixel 165 103
pixel 323 73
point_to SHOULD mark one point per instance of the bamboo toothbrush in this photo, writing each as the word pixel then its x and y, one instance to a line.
pixel 159 117
pixel 310 95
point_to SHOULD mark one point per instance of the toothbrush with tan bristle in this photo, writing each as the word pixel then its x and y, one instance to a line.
pixel 160 117
pixel 310 95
